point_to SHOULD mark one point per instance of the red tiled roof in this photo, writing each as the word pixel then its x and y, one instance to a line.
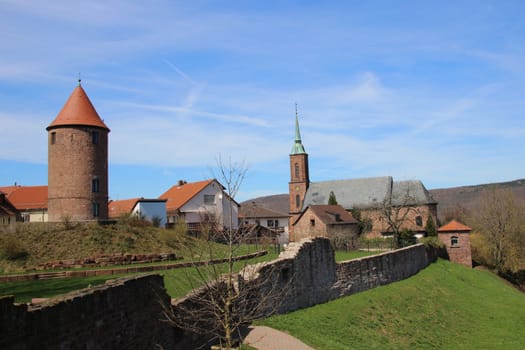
pixel 454 226
pixel 6 207
pixel 26 197
pixel 78 110
pixel 180 194
pixel 121 207
pixel 253 211
pixel 333 214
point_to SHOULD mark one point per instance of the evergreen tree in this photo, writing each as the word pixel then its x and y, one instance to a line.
pixel 430 227
pixel 331 199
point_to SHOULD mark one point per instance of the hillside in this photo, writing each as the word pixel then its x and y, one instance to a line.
pixel 445 306
pixel 447 198
pixel 42 243
pixel 467 197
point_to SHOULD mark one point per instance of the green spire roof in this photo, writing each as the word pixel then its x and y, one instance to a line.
pixel 298 147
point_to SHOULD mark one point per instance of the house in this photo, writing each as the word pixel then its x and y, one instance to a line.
pixel 330 221
pixel 251 214
pixel 153 210
pixel 8 212
pixel 456 237
pixel 258 234
pixel 201 202
pixel 30 201
pixel 382 202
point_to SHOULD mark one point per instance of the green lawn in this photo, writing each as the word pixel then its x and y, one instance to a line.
pixel 25 290
pixel 445 306
pixel 178 282
pixel 353 254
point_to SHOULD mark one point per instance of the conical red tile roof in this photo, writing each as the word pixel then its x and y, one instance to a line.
pixel 454 226
pixel 78 110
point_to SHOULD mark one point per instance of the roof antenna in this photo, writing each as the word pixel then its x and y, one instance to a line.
pixel 79 80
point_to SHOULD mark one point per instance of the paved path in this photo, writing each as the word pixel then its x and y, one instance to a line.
pixel 266 338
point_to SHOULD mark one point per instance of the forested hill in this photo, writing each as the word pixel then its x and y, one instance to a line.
pixel 467 197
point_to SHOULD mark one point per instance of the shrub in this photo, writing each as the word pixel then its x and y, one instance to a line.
pixel 432 242
pixel 156 220
pixel 12 249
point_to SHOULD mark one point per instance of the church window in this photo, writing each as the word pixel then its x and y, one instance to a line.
pixel 95 185
pixel 297 201
pixel 94 137
pixel 53 138
pixel 297 171
pixel 454 241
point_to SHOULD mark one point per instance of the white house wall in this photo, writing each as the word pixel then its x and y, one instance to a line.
pixel 149 210
pixel 195 209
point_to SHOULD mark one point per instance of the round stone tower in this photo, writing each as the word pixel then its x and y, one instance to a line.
pixel 78 162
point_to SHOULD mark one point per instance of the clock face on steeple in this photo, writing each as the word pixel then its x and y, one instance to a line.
pixel 297 188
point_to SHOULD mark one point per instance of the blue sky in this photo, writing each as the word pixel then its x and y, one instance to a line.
pixel 429 90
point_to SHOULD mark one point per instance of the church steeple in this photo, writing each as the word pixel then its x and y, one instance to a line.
pixel 299 177
pixel 298 147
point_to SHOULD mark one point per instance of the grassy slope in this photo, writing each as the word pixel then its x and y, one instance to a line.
pixel 48 242
pixel 445 306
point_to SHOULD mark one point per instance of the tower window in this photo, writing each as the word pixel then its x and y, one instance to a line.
pixel 297 201
pixel 53 138
pixel 96 209
pixel 297 171
pixel 94 137
pixel 95 185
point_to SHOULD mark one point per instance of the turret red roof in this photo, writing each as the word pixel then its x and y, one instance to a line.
pixel 78 110
pixel 454 226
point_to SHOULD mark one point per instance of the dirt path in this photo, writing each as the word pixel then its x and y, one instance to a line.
pixel 266 338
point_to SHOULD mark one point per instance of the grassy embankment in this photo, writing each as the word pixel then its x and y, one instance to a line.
pixel 445 306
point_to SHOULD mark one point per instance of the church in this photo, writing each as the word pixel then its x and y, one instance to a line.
pixel 384 204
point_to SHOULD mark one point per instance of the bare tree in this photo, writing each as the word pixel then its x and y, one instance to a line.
pixel 500 222
pixel 223 300
pixel 396 210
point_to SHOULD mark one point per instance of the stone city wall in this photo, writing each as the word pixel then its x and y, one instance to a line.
pixel 307 269
pixel 130 312
pixel 126 313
